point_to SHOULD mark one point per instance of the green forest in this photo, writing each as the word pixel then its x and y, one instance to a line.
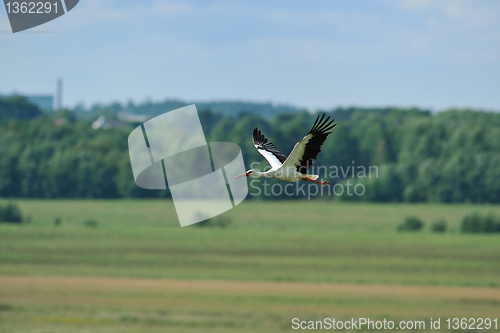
pixel 420 156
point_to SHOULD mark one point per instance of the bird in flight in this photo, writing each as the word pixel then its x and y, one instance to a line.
pixel 295 166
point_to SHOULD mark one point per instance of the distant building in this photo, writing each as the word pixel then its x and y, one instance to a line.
pixel 99 123
pixel 60 121
pixel 123 118
pixel 44 102
pixel 133 118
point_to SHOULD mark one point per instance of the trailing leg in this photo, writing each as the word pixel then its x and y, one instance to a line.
pixel 315 181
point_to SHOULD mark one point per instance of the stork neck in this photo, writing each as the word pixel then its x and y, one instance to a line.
pixel 261 174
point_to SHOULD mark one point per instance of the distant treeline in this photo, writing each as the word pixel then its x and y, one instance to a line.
pixel 453 156
pixel 152 109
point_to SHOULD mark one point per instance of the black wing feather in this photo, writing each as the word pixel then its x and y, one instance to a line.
pixel 260 142
pixel 319 131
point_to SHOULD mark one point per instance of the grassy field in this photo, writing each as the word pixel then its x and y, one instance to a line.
pixel 138 271
pixel 312 216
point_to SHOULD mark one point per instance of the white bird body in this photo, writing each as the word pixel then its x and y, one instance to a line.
pixel 289 174
pixel 295 166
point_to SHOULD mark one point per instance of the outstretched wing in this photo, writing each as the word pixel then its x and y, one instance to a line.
pixel 267 149
pixel 307 149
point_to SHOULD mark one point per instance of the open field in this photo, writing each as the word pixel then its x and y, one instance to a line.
pixel 251 215
pixel 75 304
pixel 138 271
pixel 193 253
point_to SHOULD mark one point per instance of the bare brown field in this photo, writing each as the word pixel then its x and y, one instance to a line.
pixel 128 304
pixel 118 285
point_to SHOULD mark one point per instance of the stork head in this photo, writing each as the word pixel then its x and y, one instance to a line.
pixel 249 173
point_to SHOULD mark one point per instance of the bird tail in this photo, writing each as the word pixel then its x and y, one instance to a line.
pixel 313 177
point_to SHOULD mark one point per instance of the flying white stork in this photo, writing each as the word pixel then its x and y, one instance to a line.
pixel 295 166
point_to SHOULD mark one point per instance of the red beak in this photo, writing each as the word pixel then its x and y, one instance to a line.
pixel 242 175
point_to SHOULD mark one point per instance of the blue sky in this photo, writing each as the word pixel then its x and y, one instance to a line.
pixel 313 54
